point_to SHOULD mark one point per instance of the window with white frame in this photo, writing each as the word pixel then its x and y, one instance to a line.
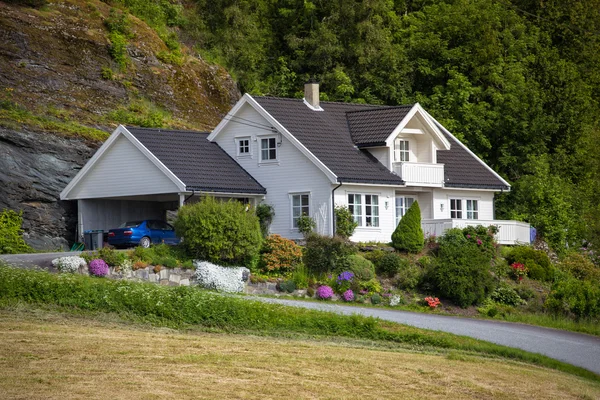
pixel 456 208
pixel 401 150
pixel 403 203
pixel 472 209
pixel 300 207
pixel 243 146
pixel 364 209
pixel 268 149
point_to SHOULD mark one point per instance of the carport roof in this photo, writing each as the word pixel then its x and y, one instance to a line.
pixel 201 165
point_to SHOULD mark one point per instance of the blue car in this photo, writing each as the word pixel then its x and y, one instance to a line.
pixel 142 233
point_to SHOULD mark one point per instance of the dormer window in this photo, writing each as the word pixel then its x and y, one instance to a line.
pixel 401 150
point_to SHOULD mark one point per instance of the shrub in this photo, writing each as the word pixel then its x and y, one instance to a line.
pixel 461 271
pixel 525 292
pixel 483 237
pixel 98 267
pixel 537 262
pixel 375 257
pixel 362 268
pixel 265 214
pixel 372 286
pixel 112 257
pixel 376 298
pixel 324 254
pixel 409 276
pixel 306 225
pixel 343 281
pixel 574 297
pixel 324 292
pixel 219 231
pixel 348 295
pixel 69 264
pixel 11 235
pixel 391 263
pixel 344 222
pixel 168 262
pixel 279 254
pixel 223 279
pixel 286 286
pixel 300 276
pixel 408 235
pixel 505 294
pixel 580 266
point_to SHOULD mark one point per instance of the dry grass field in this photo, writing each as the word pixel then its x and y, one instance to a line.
pixel 48 355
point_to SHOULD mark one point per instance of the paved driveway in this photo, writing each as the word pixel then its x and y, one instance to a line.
pixel 574 348
pixel 34 260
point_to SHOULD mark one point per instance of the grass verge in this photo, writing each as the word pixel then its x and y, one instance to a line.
pixel 182 307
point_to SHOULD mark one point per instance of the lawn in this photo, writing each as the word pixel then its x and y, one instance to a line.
pixel 48 354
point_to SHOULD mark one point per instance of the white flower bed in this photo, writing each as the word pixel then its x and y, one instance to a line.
pixel 395 300
pixel 69 264
pixel 223 279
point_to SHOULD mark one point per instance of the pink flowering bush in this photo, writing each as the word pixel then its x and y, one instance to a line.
pixel 98 267
pixel 324 292
pixel 348 295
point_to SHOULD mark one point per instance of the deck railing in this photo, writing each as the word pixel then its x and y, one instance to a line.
pixel 423 174
pixel 509 232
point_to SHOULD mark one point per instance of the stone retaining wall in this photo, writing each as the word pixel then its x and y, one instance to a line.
pixel 166 276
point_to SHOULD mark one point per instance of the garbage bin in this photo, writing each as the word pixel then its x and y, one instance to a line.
pixel 93 239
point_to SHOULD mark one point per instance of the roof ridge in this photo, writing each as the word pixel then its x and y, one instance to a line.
pixel 328 102
pixel 128 127
pixel 381 108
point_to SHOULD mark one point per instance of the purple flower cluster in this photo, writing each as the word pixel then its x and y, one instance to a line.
pixel 348 295
pixel 324 292
pixel 98 267
pixel 345 276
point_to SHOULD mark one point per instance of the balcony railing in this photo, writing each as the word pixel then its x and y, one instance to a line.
pixel 509 232
pixel 422 174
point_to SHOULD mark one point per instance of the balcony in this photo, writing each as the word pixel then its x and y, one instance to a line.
pixel 420 174
pixel 509 232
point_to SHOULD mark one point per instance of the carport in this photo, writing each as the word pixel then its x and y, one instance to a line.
pixel 141 173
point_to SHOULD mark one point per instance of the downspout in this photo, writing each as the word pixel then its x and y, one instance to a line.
pixel 333 206
pixel 189 197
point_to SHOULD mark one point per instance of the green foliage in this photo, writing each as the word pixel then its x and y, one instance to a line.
pixel 363 269
pixel 483 237
pixel 265 213
pixel 279 254
pixel 324 254
pixel 117 21
pixel 306 225
pixel 140 113
pixel 107 74
pixel 220 232
pixel 461 271
pixel 300 276
pixel 286 286
pixel 409 276
pixel 408 235
pixel 11 235
pixel 171 57
pixel 391 263
pixel 344 222
pixel 505 294
pixel 536 261
pixel 574 297
pixel 110 256
pixel 376 299
pixel 374 256
pixel 580 267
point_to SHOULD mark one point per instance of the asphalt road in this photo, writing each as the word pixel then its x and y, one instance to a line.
pixel 574 348
pixel 34 260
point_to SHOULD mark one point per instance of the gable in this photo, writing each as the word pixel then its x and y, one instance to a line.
pixel 121 169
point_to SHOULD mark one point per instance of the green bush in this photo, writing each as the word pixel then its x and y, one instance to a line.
pixel 505 294
pixel 375 257
pixel 11 235
pixel 363 269
pixel 525 292
pixel 483 237
pixel 409 276
pixel 220 232
pixel 306 225
pixel 536 261
pixel 286 286
pixel 574 297
pixel 580 266
pixel 324 254
pixel 300 276
pixel 344 222
pixel 391 263
pixel 408 235
pixel 110 256
pixel 265 214
pixel 461 271
pixel 279 254
pixel 376 299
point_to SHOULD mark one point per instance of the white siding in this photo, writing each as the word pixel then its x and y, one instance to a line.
pixel 122 171
pixel 443 196
pixel 292 173
pixel 382 154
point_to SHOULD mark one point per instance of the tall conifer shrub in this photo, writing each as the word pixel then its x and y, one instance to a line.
pixel 408 235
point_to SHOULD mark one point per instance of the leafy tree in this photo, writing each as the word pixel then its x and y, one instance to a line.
pixel 408 235
pixel 344 222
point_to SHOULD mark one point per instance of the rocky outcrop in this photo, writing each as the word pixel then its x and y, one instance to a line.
pixel 34 169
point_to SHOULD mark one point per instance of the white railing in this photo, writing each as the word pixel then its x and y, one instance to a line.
pixel 509 232
pixel 423 174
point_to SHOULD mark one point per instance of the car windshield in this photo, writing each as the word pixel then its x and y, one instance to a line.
pixel 131 224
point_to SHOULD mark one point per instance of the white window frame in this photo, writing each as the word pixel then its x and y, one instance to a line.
pixel 400 210
pixel 401 150
pixel 365 211
pixel 294 219
pixel 238 146
pixel 269 149
pixel 465 208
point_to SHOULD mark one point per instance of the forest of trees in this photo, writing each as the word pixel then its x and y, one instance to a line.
pixel 516 80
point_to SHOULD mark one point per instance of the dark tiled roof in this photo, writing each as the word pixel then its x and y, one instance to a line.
pixel 371 127
pixel 326 134
pixel 462 170
pixel 201 165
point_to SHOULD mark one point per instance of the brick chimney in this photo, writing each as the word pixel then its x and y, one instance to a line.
pixel 311 95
